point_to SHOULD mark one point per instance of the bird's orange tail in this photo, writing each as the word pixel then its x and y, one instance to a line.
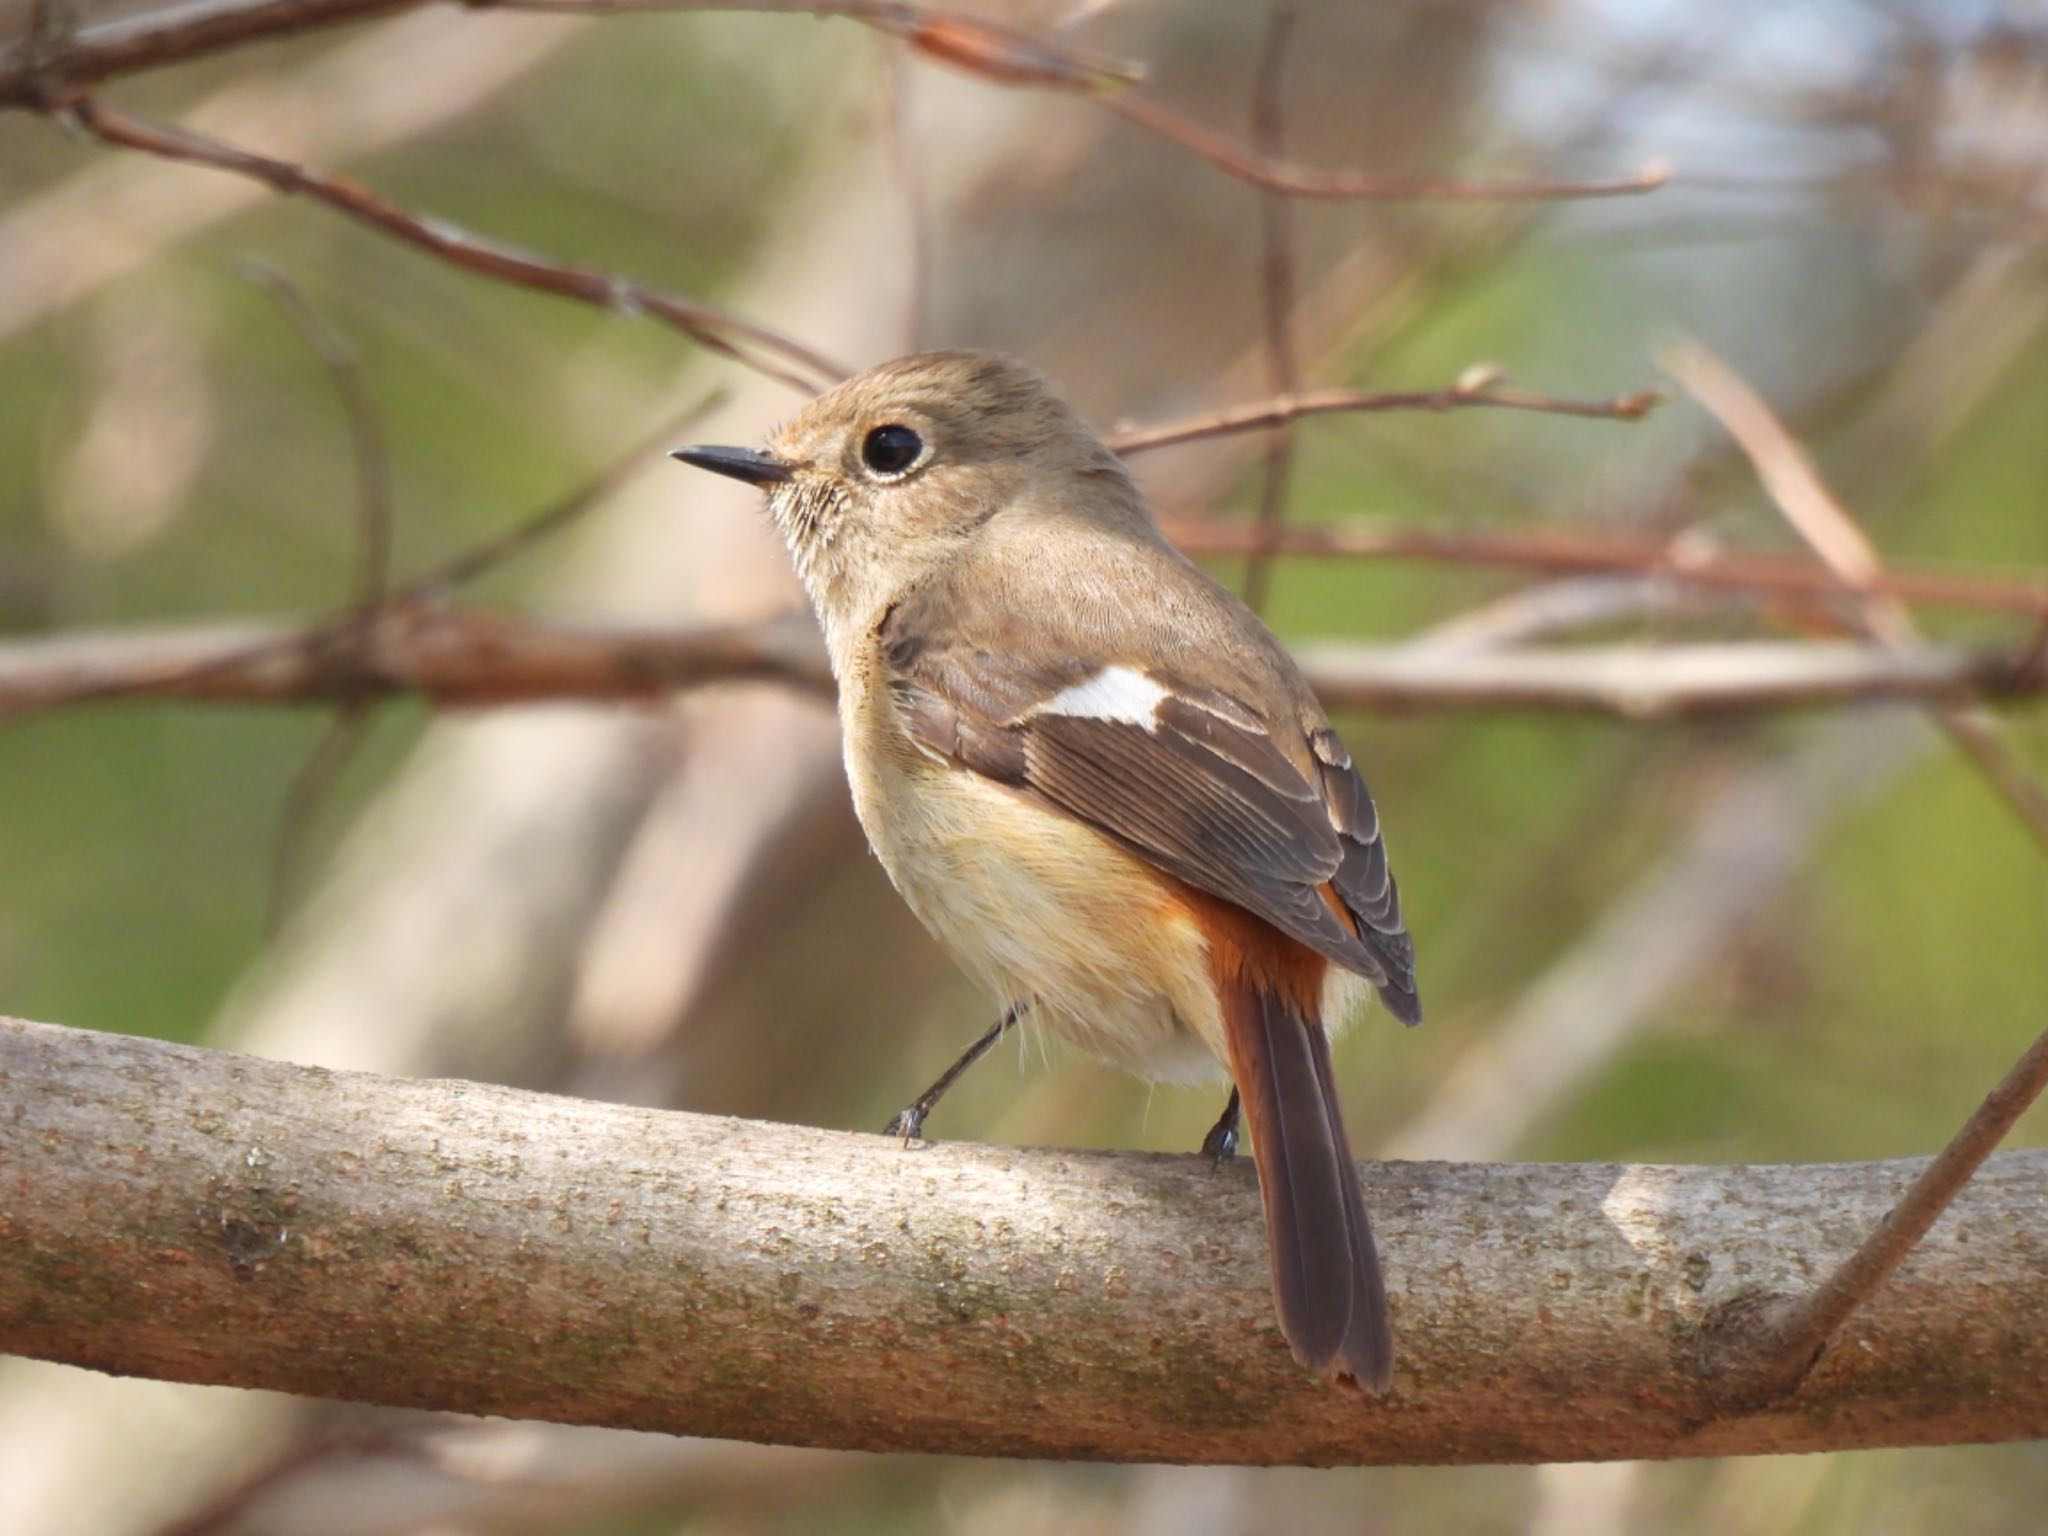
pixel 1326 1273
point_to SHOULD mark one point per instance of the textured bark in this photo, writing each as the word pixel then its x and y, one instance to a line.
pixel 201 1216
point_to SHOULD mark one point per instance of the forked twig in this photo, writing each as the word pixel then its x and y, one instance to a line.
pixel 1796 489
pixel 1770 1356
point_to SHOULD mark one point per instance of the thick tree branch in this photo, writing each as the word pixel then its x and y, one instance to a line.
pixel 470 659
pixel 199 1216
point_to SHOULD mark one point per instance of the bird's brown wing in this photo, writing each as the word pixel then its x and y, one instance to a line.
pixel 1190 778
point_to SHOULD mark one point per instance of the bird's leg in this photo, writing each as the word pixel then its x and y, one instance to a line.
pixel 908 1122
pixel 1220 1145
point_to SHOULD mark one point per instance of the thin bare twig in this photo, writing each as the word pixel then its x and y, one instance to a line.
pixel 365 426
pixel 1295 181
pixel 400 78
pixel 1796 489
pixel 1004 56
pixel 1008 57
pixel 32 76
pixel 1479 390
pixel 348 730
pixel 1278 265
pixel 368 587
pixel 225 1510
pixel 1594 551
pixel 1775 1357
pixel 1545 609
pixel 1654 937
pixel 303 798
pixel 904 165
pixel 743 341
pixel 980 48
pixel 437 581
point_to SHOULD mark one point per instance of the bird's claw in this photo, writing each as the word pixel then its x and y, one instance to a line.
pixel 1220 1145
pixel 907 1123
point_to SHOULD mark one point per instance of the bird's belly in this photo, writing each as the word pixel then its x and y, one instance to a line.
pixel 1041 909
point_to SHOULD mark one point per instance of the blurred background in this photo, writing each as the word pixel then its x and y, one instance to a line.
pixel 1767 937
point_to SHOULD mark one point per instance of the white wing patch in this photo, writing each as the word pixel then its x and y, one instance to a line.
pixel 1122 694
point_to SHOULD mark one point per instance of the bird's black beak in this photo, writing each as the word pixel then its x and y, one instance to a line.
pixel 748 464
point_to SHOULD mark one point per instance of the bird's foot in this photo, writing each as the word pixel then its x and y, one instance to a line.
pixel 908 1123
pixel 1220 1145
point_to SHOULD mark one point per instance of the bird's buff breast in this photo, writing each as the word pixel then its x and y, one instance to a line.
pixel 1036 907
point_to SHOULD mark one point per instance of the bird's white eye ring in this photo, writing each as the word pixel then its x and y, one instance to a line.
pixel 891 449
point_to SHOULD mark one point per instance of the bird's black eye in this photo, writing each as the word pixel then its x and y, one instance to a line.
pixel 890 450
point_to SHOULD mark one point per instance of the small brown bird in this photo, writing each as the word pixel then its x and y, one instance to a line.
pixel 1098 779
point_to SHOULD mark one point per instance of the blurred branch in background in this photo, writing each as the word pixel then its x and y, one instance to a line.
pixel 1687 560
pixel 500 1475
pixel 1657 936
pixel 1797 491
pixel 1001 55
pixel 396 82
pixel 370 583
pixel 45 71
pixel 1480 387
pixel 38 77
pixel 56 57
pixel 730 336
pixel 1279 299
pixel 1768 1350
pixel 451 657
pixel 466 660
pixel 456 1245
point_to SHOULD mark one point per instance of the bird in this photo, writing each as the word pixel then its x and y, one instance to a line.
pixel 1100 781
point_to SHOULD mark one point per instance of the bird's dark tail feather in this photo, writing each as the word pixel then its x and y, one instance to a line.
pixel 1326 1273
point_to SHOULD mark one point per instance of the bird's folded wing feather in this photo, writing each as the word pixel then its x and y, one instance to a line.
pixel 1189 778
